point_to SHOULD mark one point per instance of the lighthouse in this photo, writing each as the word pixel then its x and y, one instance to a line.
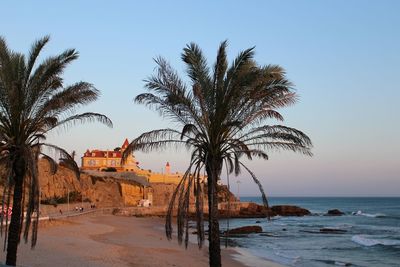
pixel 167 169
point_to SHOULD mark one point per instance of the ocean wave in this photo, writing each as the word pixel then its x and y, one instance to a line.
pixel 293 258
pixel 377 215
pixel 252 258
pixel 369 242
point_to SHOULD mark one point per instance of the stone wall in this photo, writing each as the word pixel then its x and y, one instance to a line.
pixel 162 193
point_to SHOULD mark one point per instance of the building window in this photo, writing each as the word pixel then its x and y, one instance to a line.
pixel 93 154
pixel 113 163
pixel 92 162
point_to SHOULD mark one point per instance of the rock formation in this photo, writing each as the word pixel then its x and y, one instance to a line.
pixel 253 210
pixel 334 212
pixel 288 210
pixel 246 230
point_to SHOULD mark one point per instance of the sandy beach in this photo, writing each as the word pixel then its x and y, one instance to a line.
pixel 107 240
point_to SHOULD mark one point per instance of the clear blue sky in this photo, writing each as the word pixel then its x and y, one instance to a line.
pixel 343 57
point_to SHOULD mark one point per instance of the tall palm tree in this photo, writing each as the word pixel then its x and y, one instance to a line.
pixel 220 117
pixel 34 101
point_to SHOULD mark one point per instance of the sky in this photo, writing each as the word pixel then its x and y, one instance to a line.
pixel 343 57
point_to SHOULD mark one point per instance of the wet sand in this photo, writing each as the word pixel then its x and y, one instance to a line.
pixel 107 240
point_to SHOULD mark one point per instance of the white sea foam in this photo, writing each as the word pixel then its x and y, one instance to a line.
pixel 369 242
pixel 249 259
pixel 377 215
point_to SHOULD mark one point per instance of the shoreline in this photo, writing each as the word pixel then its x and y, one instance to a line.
pixel 108 240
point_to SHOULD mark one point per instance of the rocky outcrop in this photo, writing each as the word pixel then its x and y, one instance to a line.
pixel 288 210
pixel 253 210
pixel 245 230
pixel 332 231
pixel 241 210
pixel 334 212
pixel 224 194
pixel 58 184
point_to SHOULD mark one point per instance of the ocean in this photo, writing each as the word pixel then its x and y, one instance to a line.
pixel 371 235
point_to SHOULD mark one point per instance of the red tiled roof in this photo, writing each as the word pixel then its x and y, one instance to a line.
pixel 125 144
pixel 106 154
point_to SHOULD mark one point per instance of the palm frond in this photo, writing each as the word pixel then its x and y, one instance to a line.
pixel 197 67
pixel 178 189
pixel 83 118
pixel 64 156
pixel 260 187
pixel 34 53
pixel 53 164
pixel 156 139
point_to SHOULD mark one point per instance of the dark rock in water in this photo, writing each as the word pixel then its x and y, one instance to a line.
pixel 333 262
pixel 332 231
pixel 284 229
pixel 287 210
pixel 334 212
pixel 246 230
pixel 258 221
pixel 254 210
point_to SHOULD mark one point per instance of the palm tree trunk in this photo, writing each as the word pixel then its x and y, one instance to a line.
pixel 19 170
pixel 214 248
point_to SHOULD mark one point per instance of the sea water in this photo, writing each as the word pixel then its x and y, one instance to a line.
pixel 371 235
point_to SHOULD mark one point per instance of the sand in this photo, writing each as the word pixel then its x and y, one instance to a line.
pixel 107 240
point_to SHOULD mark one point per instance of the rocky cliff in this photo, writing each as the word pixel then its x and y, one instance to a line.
pixel 103 191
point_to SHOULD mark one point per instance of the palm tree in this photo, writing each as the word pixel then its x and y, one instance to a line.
pixel 34 101
pixel 221 117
